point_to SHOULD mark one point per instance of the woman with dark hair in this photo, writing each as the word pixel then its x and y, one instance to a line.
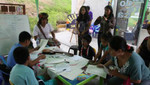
pixel 42 30
pixel 83 24
pixel 107 22
pixel 144 48
pixel 129 66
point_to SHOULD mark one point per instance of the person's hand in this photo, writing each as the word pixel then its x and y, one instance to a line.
pixel 36 48
pixel 105 18
pixel 42 56
pixel 114 72
pixel 79 33
pixel 100 65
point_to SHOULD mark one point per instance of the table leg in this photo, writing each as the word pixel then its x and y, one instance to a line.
pixel 101 81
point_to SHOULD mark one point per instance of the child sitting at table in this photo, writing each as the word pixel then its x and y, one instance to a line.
pixel 103 47
pixel 21 74
pixel 86 50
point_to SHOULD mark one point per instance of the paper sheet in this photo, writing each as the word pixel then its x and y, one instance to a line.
pixel 93 69
pixel 62 67
pixel 79 64
pixel 72 74
pixel 106 69
pixel 76 57
pixel 42 45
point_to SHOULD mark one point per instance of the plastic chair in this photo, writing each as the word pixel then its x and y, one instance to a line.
pixel 74 48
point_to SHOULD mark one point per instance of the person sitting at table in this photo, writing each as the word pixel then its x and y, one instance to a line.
pixel 103 47
pixel 21 74
pixel 42 30
pixel 24 41
pixel 86 50
pixel 129 66
pixel 144 48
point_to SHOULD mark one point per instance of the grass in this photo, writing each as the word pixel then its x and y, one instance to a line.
pixel 57 10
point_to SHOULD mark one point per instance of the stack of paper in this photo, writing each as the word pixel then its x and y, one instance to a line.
pixel 93 69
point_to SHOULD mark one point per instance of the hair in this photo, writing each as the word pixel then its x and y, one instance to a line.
pixel 86 15
pixel 111 11
pixel 88 7
pixel 87 37
pixel 21 55
pixel 148 27
pixel 106 36
pixel 23 36
pixel 42 16
pixel 117 42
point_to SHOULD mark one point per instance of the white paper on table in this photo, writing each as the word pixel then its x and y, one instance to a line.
pixel 76 57
pixel 72 74
pixel 79 64
pixel 106 69
pixel 93 69
pixel 50 66
pixel 62 67
pixel 54 60
pixel 42 45
pixel 33 55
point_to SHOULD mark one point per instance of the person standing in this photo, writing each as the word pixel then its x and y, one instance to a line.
pixel 107 23
pixel 83 24
pixel 90 13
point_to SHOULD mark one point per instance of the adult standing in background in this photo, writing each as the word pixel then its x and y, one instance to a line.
pixel 107 22
pixel 90 13
pixel 83 24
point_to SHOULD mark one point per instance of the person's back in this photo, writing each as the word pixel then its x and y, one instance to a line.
pixel 22 75
pixel 10 59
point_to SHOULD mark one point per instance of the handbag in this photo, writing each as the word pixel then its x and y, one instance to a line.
pixel 51 41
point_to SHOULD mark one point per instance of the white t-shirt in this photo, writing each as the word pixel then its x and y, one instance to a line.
pixel 47 29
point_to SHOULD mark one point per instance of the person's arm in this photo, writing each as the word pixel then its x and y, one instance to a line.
pixel 53 34
pixel 98 54
pixel 148 44
pixel 124 77
pixel 143 42
pixel 104 56
pixel 77 27
pixel 98 20
pixel 138 50
pixel 34 49
pixel 34 62
pixel 87 28
pixel 111 22
pixel 110 62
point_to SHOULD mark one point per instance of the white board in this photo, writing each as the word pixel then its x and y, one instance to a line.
pixel 10 28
